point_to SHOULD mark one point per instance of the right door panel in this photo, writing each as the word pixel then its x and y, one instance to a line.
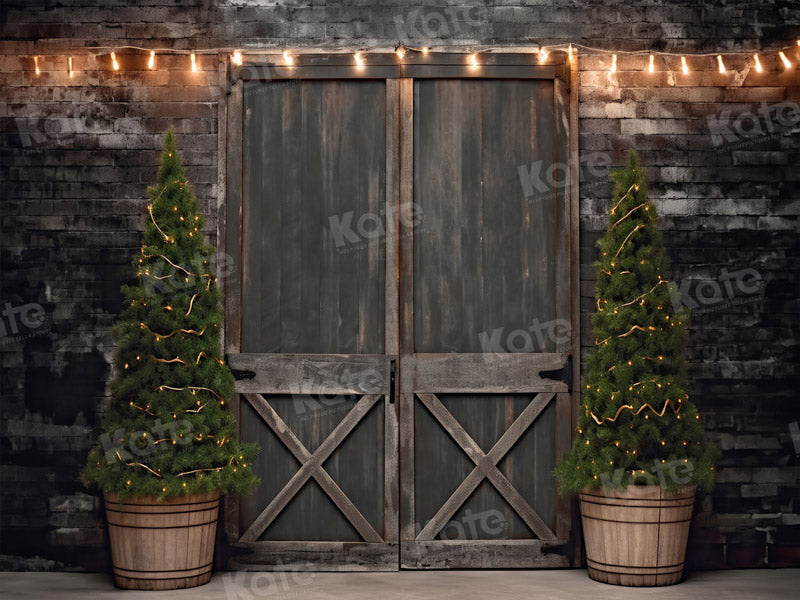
pixel 484 374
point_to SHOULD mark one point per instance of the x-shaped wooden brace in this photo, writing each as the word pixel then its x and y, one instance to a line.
pixel 486 466
pixel 311 466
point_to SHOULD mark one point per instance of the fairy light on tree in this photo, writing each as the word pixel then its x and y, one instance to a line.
pixel 635 405
pixel 169 362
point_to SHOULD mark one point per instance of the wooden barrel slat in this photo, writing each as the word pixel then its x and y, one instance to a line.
pixel 162 545
pixel 636 536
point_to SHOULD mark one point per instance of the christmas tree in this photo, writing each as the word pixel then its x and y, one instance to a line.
pixel 636 424
pixel 169 427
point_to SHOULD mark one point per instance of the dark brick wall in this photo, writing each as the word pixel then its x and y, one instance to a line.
pixel 722 152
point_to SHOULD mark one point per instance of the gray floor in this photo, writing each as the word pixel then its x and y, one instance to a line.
pixel 456 585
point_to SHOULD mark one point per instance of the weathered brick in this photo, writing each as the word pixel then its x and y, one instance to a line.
pixel 72 202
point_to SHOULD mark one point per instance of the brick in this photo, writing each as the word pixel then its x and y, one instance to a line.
pixel 73 201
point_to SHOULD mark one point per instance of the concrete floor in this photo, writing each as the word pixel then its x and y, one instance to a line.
pixel 409 585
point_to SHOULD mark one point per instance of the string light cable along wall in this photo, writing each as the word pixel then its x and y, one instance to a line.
pixel 785 57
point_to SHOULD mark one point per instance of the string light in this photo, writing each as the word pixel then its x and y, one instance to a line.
pixel 401 51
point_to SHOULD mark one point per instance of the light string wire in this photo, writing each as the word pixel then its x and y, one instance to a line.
pixel 400 50
pixel 454 48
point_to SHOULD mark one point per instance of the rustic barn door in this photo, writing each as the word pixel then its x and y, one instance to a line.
pixel 401 320
pixel 486 332
pixel 317 337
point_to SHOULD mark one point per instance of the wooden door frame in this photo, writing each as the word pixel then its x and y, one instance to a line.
pixel 399 204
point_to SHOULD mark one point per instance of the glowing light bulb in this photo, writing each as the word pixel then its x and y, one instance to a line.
pixel 425 50
pixel 36 64
pixel 400 52
pixel 288 58
pixel 721 64
pixel 759 68
pixel 614 64
pixel 194 63
pixel 684 65
pixel 473 59
pixel 359 59
pixel 71 72
pixel 542 55
pixel 151 63
pixel 237 58
pixel 652 67
pixel 114 63
pixel 569 52
pixel 785 60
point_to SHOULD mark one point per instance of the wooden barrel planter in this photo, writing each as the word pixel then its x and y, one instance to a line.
pixel 636 536
pixel 162 545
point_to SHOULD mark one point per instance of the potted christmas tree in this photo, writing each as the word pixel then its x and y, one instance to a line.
pixel 639 454
pixel 170 447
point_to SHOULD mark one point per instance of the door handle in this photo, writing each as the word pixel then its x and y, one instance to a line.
pixel 391 380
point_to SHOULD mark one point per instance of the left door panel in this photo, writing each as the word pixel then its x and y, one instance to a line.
pixel 312 361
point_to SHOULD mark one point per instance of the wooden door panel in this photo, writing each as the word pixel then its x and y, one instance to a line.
pixel 315 383
pixel 485 368
pixel 314 189
pixel 484 251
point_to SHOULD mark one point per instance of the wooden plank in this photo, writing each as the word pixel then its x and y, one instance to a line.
pixel 392 300
pixel 293 201
pixel 322 477
pixel 391 472
pixel 311 373
pixel 563 289
pixel 314 556
pixel 563 440
pixel 308 468
pixel 254 208
pixel 479 554
pixel 231 242
pixel 489 373
pixel 429 71
pixel 271 65
pixel 233 220
pixel 406 306
pixel 230 506
pixel 574 261
pixel 406 210
pixel 391 491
